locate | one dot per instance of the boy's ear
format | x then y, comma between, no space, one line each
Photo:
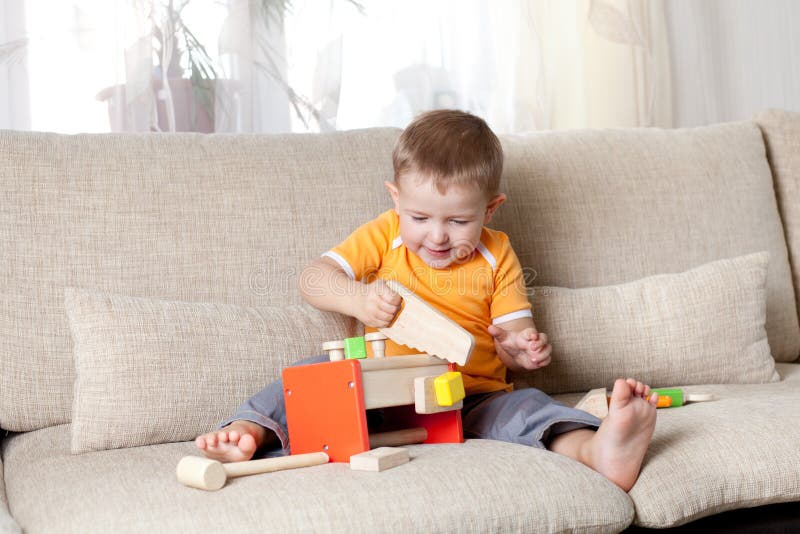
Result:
395,193
492,206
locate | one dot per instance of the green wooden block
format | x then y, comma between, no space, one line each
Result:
355,348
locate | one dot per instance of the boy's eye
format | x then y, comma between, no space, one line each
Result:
456,221
418,219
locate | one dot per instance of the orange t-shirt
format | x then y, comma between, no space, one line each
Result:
488,288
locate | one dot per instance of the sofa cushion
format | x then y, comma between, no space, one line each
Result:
7,523
739,451
703,326
478,486
154,371
203,218
596,208
782,136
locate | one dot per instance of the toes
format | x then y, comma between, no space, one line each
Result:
200,442
640,389
247,444
653,399
622,392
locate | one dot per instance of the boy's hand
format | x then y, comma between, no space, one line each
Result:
378,305
528,348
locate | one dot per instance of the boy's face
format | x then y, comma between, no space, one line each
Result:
441,229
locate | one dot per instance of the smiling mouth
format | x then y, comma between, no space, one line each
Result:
438,253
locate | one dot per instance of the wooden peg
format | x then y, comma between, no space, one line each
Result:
334,350
377,341
406,436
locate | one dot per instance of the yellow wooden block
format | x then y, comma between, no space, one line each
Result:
449,388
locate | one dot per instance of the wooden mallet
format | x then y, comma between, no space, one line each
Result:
207,474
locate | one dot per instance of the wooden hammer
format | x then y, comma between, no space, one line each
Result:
207,474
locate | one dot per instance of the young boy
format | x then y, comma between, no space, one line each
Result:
447,167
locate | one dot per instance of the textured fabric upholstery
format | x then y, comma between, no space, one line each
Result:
504,488
603,207
703,326
219,218
782,138
154,371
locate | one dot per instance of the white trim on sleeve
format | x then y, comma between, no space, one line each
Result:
488,256
342,263
511,316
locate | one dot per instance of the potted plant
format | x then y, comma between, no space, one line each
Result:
185,78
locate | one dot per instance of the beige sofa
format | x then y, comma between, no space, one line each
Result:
147,286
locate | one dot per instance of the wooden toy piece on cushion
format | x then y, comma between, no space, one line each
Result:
379,459
211,475
596,401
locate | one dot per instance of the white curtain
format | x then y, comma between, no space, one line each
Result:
521,64
13,74
732,58
320,65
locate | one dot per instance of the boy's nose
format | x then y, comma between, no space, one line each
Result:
438,236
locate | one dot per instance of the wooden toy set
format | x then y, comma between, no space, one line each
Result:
421,394
596,401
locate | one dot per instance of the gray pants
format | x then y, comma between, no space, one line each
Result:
525,416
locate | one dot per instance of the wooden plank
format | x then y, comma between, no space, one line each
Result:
394,387
422,327
399,362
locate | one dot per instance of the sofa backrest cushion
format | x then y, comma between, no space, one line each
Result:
233,218
154,371
781,131
604,207
216,218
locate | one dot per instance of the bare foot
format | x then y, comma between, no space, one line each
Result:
618,447
236,442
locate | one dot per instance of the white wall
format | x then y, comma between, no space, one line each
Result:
732,58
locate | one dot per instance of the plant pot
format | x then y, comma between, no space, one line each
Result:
193,106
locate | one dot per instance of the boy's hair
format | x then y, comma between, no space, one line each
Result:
450,147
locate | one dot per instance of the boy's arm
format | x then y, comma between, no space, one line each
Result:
520,346
325,285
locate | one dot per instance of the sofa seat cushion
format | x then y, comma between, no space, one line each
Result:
7,523
478,486
739,451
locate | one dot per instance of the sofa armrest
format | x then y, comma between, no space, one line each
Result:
7,523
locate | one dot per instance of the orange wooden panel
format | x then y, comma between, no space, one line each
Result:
325,409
